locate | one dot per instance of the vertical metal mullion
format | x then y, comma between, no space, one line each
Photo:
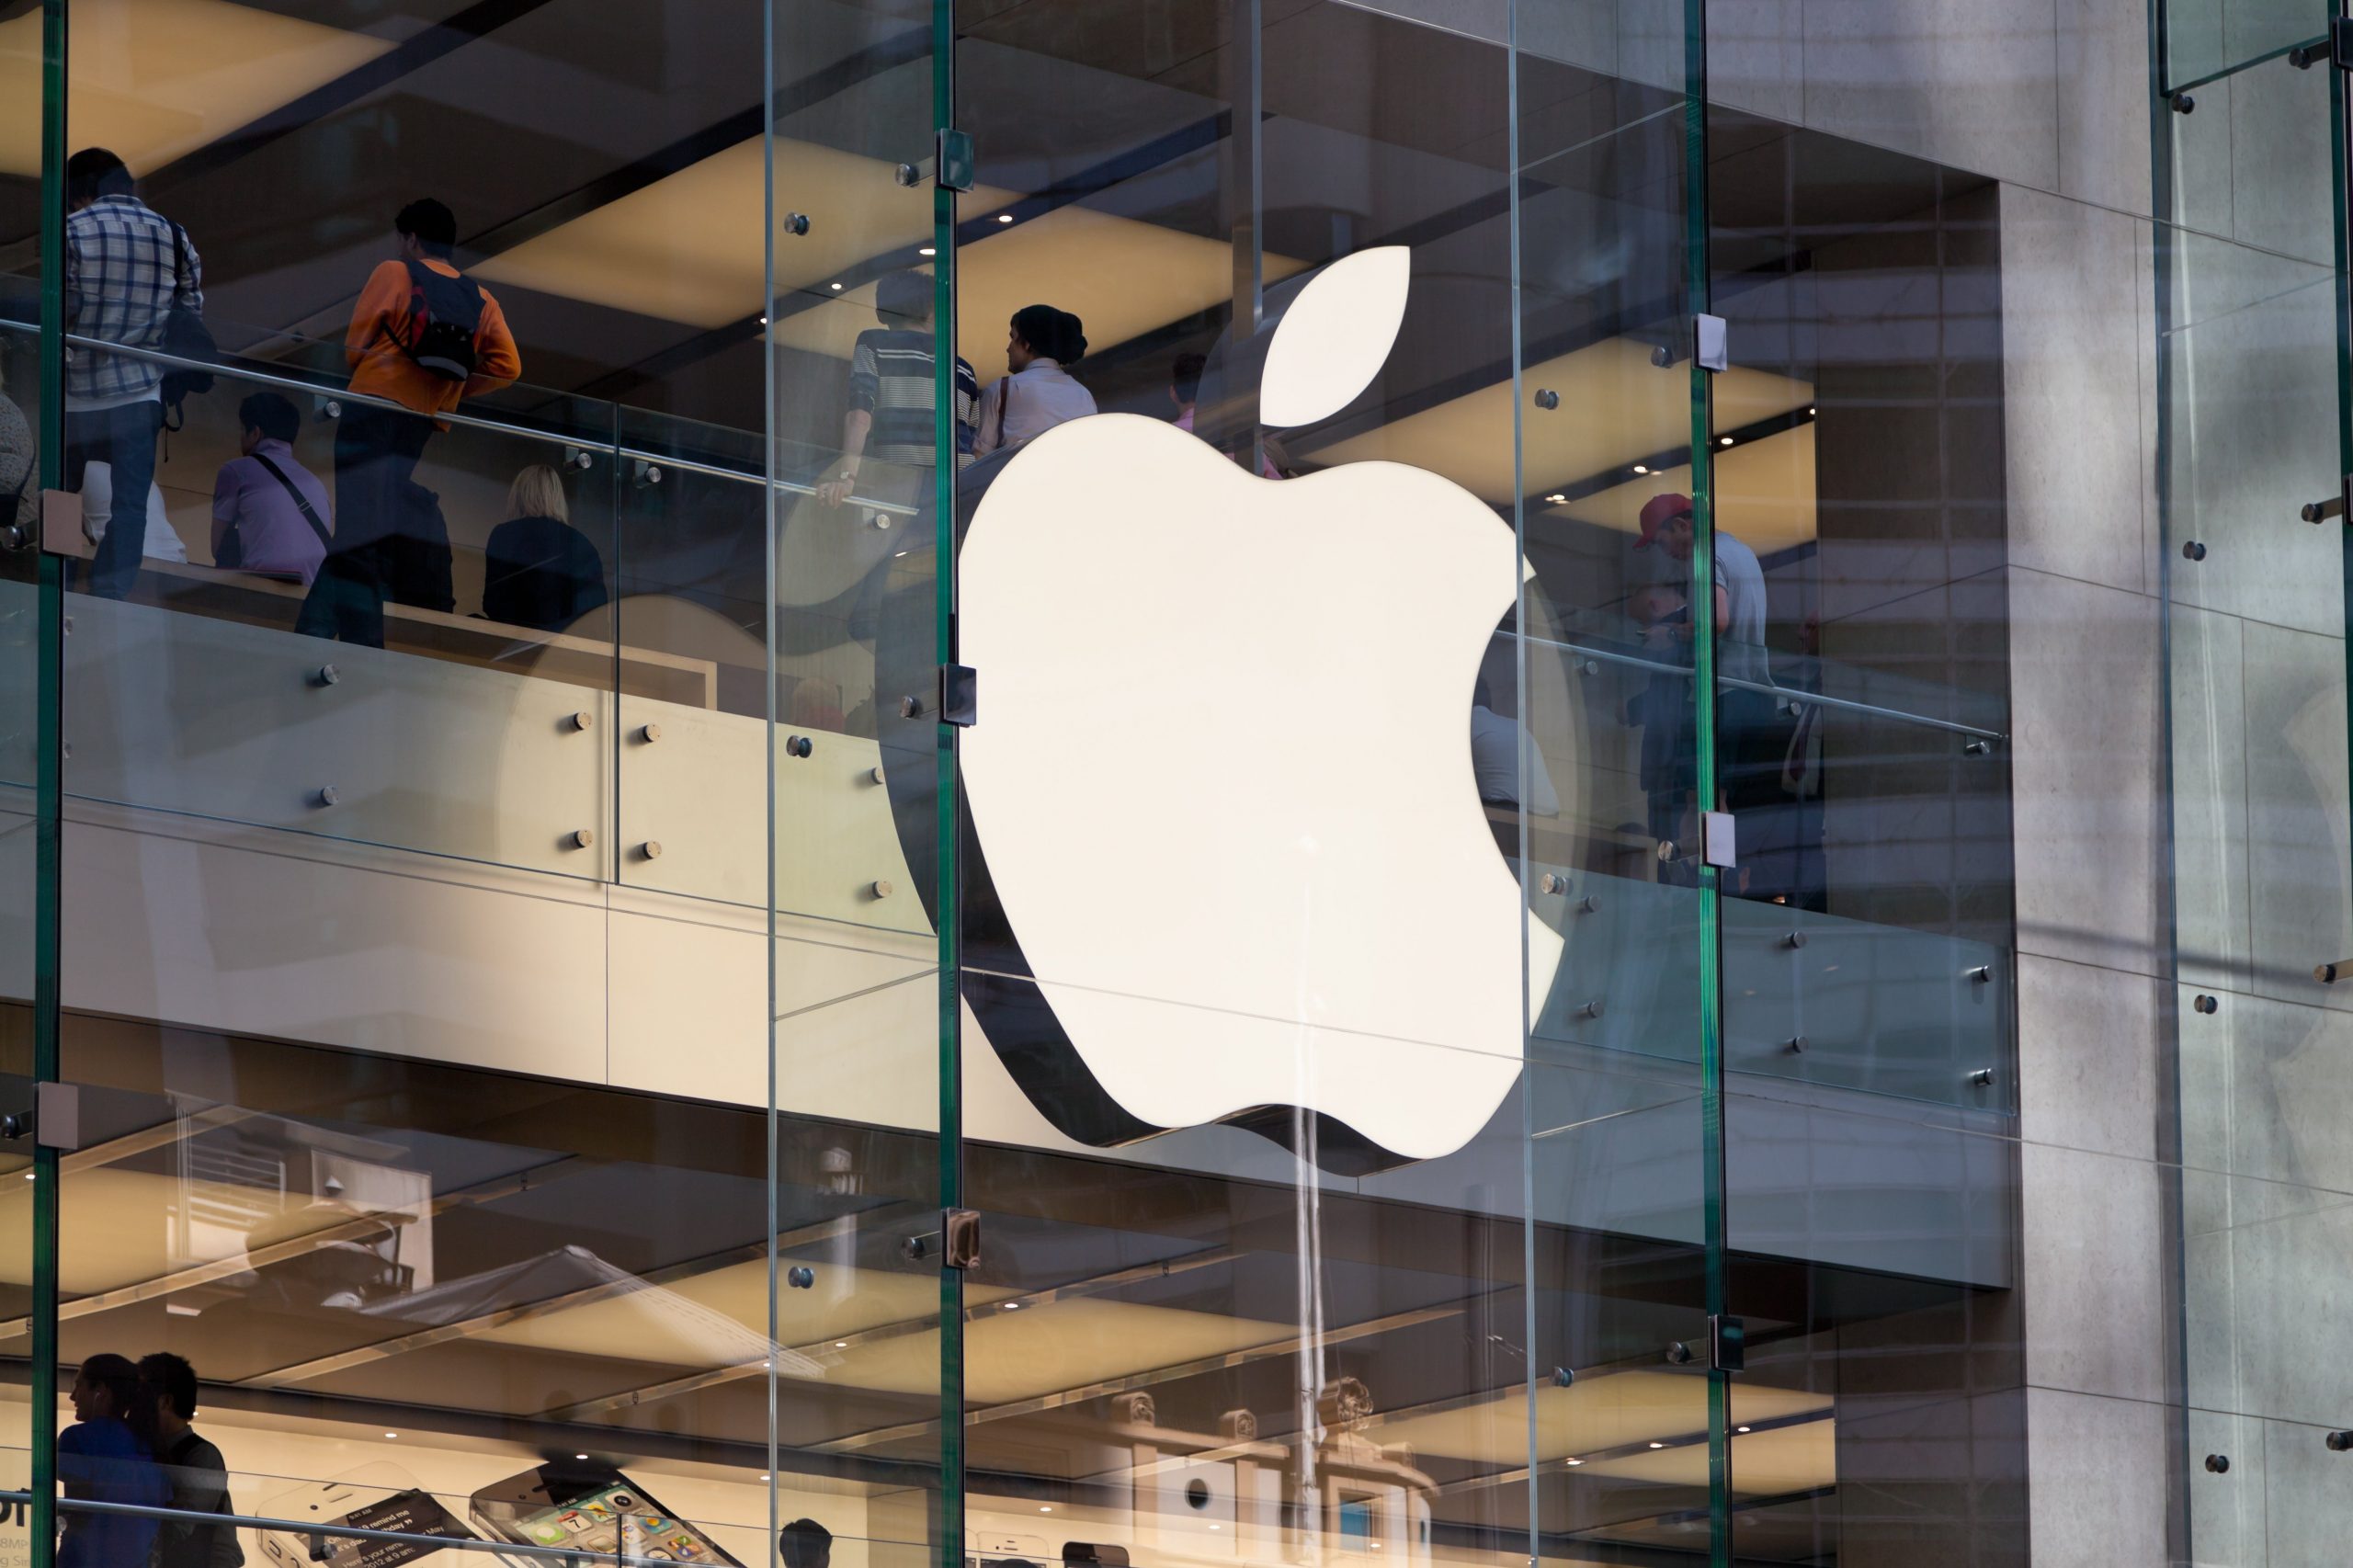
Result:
49,787
1703,683
949,898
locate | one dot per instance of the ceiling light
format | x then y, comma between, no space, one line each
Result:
838,288
764,1475
1658,1445
1724,441
1013,1306
763,321
29,1175
1557,499
580,1456
1005,217
1641,468
1810,411
1043,1509
1217,1526
1576,1461
182,1310
392,1434
929,250
844,1344
1740,1428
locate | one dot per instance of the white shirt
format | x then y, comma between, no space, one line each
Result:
1495,763
1043,395
1741,578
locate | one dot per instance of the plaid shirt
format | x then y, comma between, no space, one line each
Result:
126,267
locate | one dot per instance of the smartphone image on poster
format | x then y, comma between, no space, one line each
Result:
373,1497
592,1508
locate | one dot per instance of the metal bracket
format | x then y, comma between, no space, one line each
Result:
959,1231
960,695
1727,1343
2338,505
1716,839
2336,48
61,524
57,1116
955,160
1709,340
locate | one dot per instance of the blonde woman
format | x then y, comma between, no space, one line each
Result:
538,570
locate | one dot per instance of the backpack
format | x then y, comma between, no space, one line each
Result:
444,317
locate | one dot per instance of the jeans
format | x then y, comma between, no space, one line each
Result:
124,439
376,452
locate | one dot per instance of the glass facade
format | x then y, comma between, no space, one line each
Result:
1172,783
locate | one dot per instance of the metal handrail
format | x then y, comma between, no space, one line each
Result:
570,1555
471,421
1794,694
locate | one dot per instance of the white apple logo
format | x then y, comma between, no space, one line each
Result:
1221,775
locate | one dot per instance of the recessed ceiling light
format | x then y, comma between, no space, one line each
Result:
1013,1306
1217,1526
1810,411
1557,499
580,1456
1005,217
1740,1428
392,1434
929,250
1724,441
1641,468
1658,1445
844,1344
29,1175
838,288
1576,1461
1043,1509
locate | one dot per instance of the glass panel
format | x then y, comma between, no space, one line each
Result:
1608,715
2205,38
429,1015
852,595
2251,366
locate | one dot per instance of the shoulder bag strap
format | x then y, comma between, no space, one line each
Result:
326,540
1004,398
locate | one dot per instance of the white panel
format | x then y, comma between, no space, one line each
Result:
501,970
700,792
222,720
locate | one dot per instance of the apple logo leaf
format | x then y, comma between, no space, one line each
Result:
1335,337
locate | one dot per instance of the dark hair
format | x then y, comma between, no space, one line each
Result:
1185,376
1052,333
429,223
804,1543
904,299
94,171
135,1400
170,1375
277,419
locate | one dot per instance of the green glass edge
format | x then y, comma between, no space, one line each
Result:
49,787
949,1538
1703,689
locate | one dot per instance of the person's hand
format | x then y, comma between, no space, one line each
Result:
836,490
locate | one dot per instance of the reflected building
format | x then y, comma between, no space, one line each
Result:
1600,815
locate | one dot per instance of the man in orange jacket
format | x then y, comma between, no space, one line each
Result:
424,337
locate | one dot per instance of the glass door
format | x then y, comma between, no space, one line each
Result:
2250,366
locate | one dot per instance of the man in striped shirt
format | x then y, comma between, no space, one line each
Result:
892,396
126,266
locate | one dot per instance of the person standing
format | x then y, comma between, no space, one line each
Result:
1037,392
538,570
269,512
127,269
805,1543
108,1456
424,337
894,396
1752,740
193,1468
